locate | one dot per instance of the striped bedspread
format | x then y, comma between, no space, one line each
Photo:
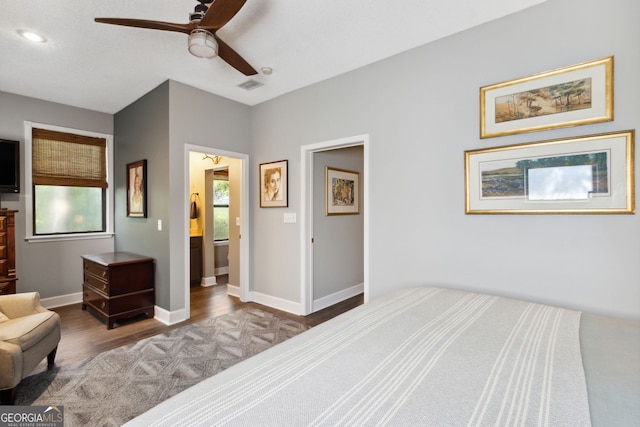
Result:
418,357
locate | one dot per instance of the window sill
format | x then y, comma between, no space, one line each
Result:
67,237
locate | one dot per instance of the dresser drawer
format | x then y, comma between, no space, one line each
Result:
3,223
117,305
97,283
7,288
98,270
4,268
95,300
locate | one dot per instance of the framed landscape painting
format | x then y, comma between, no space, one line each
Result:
576,95
342,192
583,175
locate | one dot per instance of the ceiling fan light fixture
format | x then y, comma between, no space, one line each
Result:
32,36
202,44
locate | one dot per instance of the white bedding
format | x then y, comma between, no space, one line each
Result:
422,356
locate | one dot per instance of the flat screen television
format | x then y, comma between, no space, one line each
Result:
9,166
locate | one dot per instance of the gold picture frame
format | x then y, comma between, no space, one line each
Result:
274,191
576,95
583,175
342,192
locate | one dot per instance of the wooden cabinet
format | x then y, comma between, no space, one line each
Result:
7,252
118,285
195,252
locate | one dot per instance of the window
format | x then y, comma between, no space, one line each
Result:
67,183
220,208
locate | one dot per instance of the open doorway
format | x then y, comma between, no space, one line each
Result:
309,208
205,165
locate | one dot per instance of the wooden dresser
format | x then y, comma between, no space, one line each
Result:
7,252
118,285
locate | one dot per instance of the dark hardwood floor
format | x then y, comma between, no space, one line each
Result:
83,335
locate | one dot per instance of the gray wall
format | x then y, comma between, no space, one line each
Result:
157,127
421,112
338,248
196,118
51,268
142,132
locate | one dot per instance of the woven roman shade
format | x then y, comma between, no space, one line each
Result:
67,159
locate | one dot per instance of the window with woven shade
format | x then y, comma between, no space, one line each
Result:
69,178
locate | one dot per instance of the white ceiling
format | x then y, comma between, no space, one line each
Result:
106,67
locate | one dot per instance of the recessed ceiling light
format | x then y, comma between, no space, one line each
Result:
31,36
266,71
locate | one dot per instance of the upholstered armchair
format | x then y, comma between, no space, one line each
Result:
28,333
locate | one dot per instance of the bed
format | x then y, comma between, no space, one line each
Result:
434,357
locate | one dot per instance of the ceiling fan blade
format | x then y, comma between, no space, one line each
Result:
219,13
153,25
234,59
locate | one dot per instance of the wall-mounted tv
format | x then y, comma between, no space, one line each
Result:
9,166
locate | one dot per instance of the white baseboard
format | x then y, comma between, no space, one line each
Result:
208,281
61,300
173,317
170,317
164,316
221,270
277,303
295,307
233,290
337,297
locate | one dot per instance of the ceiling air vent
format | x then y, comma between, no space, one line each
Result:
250,84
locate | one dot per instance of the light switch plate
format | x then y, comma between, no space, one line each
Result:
290,218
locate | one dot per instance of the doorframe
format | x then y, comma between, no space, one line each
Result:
244,219
306,213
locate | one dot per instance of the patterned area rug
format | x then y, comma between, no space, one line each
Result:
116,386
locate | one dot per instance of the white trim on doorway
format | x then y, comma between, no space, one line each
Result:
306,214
243,292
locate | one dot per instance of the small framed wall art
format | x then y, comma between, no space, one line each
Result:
137,189
342,192
583,175
274,185
577,95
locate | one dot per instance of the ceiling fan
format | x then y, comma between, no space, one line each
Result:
203,23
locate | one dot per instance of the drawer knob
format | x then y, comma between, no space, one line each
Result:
104,287
104,274
104,304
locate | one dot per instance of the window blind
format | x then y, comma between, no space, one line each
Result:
68,159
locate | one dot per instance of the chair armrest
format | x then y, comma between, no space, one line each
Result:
19,305
10,365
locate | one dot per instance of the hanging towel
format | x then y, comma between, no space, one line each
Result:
194,210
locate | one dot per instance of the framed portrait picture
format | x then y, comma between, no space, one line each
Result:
342,192
273,185
577,95
137,189
583,175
